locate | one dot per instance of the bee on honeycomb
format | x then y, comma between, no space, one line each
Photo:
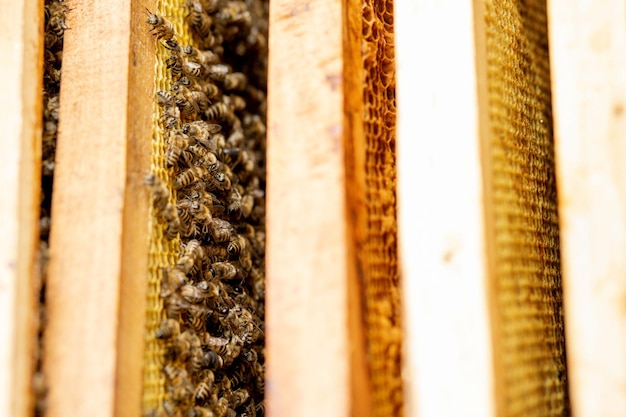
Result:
213,121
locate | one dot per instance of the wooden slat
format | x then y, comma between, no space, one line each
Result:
20,179
588,60
315,357
98,247
444,237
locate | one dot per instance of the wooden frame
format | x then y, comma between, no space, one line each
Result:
98,245
20,178
445,239
315,351
588,60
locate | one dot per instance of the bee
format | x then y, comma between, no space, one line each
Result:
174,65
215,254
218,72
192,256
172,45
221,230
220,409
260,376
219,181
205,386
197,321
250,410
260,407
237,245
167,211
235,12
235,81
199,21
212,360
218,111
197,173
202,57
161,28
236,102
192,69
54,14
178,143
251,356
223,270
165,99
169,328
198,294
200,412
170,117
238,398
201,132
173,279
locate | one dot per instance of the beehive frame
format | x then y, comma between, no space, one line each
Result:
20,165
106,315
588,53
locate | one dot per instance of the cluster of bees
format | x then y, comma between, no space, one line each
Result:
213,118
54,25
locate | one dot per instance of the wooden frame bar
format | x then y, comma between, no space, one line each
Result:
98,245
588,60
20,178
315,351
443,184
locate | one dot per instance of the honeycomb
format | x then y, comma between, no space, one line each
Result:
205,315
377,252
529,333
54,26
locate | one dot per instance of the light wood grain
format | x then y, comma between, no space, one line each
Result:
588,61
20,180
98,247
445,239
307,329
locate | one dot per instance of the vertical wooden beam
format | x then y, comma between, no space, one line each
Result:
588,60
98,247
444,233
311,279
20,178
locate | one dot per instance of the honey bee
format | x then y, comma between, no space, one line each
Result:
250,410
237,245
201,132
251,356
234,12
196,173
235,81
192,256
173,279
170,117
192,69
165,99
236,102
260,376
202,57
220,409
212,360
197,294
169,328
205,386
167,211
200,412
199,21
221,230
219,181
215,254
218,72
161,28
178,143
260,408
238,398
218,111
174,65
223,270
54,14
